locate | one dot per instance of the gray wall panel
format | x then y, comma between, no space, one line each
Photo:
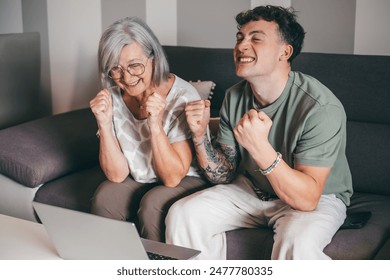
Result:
35,19
113,10
329,25
206,23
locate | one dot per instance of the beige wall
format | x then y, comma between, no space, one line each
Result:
73,47
372,33
70,31
329,25
11,16
205,23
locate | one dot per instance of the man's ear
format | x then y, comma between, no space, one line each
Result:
286,53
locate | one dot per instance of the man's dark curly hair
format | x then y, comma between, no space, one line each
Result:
290,30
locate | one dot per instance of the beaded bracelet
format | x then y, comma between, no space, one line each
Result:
272,166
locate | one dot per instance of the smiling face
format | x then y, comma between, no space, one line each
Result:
259,50
133,54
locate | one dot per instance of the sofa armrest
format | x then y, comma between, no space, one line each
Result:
38,151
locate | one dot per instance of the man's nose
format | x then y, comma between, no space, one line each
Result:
243,45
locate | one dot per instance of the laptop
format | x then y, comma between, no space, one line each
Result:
82,236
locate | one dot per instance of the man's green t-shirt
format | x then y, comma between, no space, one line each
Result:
308,127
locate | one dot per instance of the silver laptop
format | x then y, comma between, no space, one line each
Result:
80,236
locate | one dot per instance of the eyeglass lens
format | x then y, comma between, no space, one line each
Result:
135,69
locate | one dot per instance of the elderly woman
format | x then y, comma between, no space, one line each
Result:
145,147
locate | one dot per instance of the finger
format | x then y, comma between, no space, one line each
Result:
95,103
262,116
195,105
194,102
194,118
105,92
155,95
252,114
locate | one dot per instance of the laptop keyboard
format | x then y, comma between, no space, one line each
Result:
154,256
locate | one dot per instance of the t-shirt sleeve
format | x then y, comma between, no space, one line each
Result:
322,137
225,132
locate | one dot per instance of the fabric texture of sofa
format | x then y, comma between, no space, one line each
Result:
54,159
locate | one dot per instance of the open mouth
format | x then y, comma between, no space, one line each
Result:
245,59
132,84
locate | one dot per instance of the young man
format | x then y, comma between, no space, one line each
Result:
280,155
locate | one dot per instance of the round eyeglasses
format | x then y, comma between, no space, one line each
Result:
135,69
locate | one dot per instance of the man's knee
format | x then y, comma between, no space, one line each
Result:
182,211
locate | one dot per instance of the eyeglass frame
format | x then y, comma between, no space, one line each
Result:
122,73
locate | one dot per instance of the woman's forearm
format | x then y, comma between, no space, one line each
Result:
170,161
112,160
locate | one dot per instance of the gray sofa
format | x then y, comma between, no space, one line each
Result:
54,159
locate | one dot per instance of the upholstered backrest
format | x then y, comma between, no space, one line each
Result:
362,83
205,64
19,78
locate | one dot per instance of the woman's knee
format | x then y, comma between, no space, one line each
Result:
101,197
111,200
160,198
152,203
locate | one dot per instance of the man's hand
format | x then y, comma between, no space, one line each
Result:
252,130
198,117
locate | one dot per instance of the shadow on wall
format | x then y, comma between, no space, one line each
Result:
86,80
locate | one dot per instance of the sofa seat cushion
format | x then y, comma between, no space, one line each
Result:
347,244
250,244
384,252
72,191
38,151
364,243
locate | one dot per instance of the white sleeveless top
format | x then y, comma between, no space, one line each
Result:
134,135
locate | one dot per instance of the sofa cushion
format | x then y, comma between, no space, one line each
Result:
368,155
38,151
347,244
204,88
73,191
359,81
363,243
384,252
250,244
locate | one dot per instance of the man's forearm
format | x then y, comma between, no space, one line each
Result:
217,163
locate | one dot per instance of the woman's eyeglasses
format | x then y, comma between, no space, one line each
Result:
135,69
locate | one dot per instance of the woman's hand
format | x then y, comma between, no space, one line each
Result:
155,106
101,107
112,160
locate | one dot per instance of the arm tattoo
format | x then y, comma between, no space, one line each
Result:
222,161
